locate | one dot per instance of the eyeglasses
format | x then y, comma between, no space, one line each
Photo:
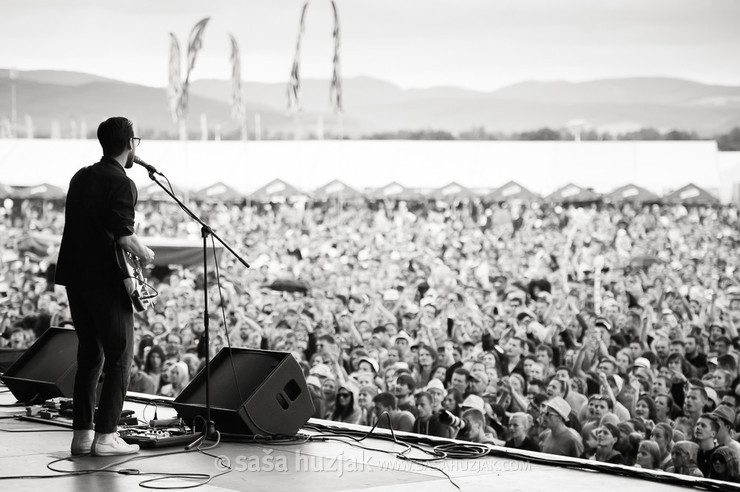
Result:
136,141
343,395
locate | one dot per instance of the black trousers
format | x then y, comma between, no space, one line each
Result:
104,322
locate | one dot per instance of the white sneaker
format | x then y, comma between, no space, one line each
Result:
82,441
111,445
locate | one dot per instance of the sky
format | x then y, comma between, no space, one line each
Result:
475,44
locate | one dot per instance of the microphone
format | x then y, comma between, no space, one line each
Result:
152,170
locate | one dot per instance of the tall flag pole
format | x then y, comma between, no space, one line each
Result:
336,78
178,90
335,92
238,111
294,84
174,88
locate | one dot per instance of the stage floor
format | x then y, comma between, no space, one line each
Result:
26,448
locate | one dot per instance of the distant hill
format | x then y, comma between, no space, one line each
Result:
373,105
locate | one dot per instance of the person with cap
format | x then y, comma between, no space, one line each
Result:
558,438
478,383
402,342
726,420
438,392
369,365
607,437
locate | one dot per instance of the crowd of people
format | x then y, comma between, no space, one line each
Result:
607,332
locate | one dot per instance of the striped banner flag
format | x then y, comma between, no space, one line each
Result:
174,88
294,84
237,101
335,91
195,43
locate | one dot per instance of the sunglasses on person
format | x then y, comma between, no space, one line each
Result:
343,395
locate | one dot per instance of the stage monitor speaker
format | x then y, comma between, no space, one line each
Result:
46,369
264,392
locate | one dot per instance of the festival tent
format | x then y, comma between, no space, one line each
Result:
512,191
632,193
691,195
572,193
395,191
153,192
335,189
6,191
452,191
43,191
275,191
218,192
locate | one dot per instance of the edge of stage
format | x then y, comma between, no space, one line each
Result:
327,456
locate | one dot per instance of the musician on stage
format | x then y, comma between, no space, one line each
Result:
99,215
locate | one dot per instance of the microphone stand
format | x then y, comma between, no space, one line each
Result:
209,428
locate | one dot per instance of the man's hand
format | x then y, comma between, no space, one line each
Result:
149,257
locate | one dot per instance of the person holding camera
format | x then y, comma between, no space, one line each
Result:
427,421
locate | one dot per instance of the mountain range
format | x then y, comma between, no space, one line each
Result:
67,103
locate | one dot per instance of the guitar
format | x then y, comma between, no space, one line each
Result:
136,285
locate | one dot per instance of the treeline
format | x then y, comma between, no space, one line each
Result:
726,142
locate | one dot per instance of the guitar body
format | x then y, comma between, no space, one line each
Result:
134,280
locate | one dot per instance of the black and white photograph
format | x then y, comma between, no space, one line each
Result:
337,245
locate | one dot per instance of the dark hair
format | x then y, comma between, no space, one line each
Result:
728,361
342,412
463,371
456,395
651,407
156,349
386,399
714,421
563,385
114,135
146,341
724,339
687,368
600,397
423,394
408,380
545,348
328,339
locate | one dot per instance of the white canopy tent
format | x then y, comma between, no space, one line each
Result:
540,166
